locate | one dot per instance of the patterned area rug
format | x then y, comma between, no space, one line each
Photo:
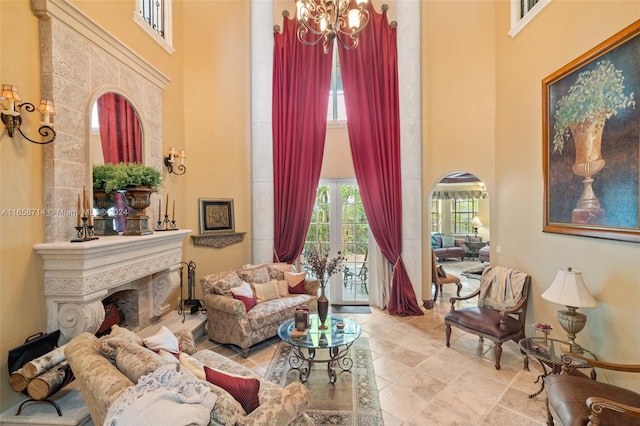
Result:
352,400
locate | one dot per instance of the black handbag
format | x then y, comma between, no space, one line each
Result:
34,346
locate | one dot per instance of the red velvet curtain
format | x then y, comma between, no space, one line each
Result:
120,130
370,81
121,137
301,82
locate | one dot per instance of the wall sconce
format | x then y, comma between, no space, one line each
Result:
12,119
171,158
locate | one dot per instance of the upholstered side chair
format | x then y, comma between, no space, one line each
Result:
574,399
438,280
500,312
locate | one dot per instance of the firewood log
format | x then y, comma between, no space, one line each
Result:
18,381
48,382
37,366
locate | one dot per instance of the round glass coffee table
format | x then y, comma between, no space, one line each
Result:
336,341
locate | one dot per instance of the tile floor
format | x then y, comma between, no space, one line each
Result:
421,381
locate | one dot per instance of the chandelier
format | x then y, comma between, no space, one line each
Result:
325,20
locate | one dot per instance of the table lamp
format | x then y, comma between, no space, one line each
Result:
475,222
569,289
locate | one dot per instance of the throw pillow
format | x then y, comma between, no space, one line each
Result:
294,278
243,290
448,242
298,288
441,272
108,345
163,339
277,270
283,288
186,341
434,242
249,302
266,291
255,275
135,361
242,389
224,285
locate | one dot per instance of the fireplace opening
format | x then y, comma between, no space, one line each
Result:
121,308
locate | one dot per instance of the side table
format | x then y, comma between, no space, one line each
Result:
549,353
473,247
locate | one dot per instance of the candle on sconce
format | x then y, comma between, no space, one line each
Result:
85,201
90,221
183,155
173,216
78,223
166,206
159,210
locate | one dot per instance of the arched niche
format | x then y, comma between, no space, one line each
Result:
459,185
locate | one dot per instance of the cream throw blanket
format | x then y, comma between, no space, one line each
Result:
164,397
501,288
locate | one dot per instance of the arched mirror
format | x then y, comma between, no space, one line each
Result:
116,133
116,137
460,219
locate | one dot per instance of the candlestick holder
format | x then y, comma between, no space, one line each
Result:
84,232
166,224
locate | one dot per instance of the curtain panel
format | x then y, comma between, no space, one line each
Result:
370,81
120,131
301,82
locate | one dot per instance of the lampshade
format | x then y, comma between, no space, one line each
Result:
46,105
569,289
9,92
476,222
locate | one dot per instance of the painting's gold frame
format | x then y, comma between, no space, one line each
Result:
552,191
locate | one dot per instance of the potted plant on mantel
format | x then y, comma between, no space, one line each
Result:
136,181
596,96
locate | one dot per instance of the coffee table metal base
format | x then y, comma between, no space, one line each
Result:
337,356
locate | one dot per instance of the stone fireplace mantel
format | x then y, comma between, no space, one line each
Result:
78,276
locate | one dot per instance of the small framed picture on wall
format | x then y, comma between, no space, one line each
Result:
216,215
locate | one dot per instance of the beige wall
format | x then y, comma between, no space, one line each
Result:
217,123
563,31
22,308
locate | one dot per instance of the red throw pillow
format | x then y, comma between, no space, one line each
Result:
298,288
242,389
249,302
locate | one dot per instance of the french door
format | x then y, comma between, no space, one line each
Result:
338,223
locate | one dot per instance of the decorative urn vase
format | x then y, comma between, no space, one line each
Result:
104,224
138,198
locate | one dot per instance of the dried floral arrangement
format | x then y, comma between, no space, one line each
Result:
321,265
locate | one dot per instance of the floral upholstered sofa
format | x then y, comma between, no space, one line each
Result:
124,383
233,316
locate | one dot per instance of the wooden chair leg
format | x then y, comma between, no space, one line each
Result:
459,288
447,334
497,351
435,293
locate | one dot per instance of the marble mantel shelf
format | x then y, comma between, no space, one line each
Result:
220,240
